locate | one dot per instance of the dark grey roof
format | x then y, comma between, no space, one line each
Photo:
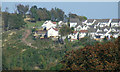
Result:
90,20
101,32
113,32
92,30
103,20
115,20
95,23
116,28
102,28
74,20
91,26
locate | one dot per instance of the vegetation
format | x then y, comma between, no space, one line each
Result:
65,30
19,56
81,18
55,14
12,21
22,9
37,24
84,54
97,57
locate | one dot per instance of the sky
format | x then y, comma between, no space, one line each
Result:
92,10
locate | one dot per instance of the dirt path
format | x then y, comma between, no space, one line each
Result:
25,36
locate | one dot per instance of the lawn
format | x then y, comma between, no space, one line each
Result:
30,24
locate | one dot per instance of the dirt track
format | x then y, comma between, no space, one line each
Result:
25,36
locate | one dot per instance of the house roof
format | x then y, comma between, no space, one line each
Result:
103,20
54,22
75,32
74,20
116,27
90,20
101,32
113,32
92,30
95,23
53,28
115,20
79,23
83,31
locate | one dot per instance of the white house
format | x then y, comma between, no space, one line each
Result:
52,32
104,22
49,24
83,33
90,21
73,22
115,23
60,23
73,36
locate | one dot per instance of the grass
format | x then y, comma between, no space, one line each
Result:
29,25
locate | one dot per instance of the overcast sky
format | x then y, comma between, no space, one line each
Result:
92,10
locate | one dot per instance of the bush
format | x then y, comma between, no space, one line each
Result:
97,57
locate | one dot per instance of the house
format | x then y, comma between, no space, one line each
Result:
92,31
83,33
114,34
73,36
115,23
104,22
52,32
61,23
89,21
41,33
74,22
48,24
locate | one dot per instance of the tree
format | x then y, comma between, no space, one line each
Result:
15,21
43,14
53,14
12,21
5,17
65,30
81,18
97,57
33,12
22,9
57,14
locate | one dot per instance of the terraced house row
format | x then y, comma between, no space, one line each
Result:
95,28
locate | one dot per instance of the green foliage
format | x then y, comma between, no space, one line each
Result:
81,18
37,24
22,9
97,57
57,67
12,21
33,12
57,14
65,30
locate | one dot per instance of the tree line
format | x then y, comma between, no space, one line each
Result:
16,20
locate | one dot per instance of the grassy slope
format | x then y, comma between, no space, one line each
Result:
38,24
17,55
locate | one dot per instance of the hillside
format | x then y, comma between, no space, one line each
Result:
18,55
